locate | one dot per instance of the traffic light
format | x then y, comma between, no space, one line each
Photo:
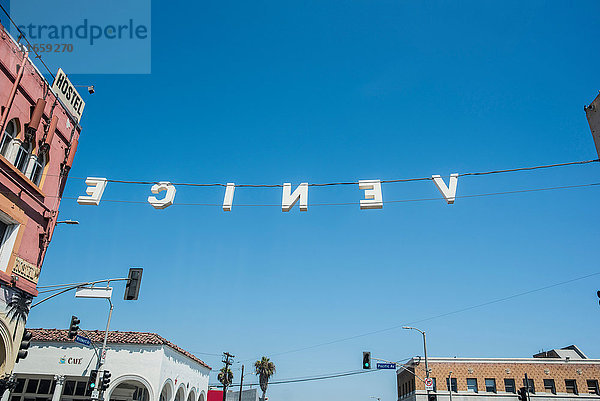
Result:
432,397
25,343
74,326
105,380
522,394
92,380
366,360
132,289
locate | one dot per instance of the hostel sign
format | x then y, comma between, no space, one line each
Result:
68,95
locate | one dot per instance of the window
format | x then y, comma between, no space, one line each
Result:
571,386
22,158
490,385
509,386
10,133
8,235
549,386
472,385
35,389
531,386
36,168
593,387
454,386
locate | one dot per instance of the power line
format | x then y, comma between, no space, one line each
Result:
436,316
401,180
307,379
31,47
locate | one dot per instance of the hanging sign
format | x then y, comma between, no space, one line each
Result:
372,196
68,95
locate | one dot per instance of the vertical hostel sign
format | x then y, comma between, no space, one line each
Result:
68,95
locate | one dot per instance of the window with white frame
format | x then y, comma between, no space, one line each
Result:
23,154
8,236
10,133
36,168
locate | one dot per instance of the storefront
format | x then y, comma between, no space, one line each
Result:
143,367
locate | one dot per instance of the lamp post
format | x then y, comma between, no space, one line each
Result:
424,347
67,222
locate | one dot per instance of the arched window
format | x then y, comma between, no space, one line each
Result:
10,133
36,168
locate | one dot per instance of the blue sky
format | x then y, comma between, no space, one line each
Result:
325,91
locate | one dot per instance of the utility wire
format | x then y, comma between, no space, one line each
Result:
494,301
546,166
399,180
37,55
329,376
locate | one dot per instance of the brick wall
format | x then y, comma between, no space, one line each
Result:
538,371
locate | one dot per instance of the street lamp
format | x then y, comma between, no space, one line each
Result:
424,347
377,398
67,222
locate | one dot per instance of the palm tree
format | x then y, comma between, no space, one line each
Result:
264,369
18,308
225,377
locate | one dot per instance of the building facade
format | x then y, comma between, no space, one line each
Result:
562,374
38,140
143,367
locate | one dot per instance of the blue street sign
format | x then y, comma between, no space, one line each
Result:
386,366
83,340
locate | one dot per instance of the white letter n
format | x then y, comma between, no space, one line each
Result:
289,199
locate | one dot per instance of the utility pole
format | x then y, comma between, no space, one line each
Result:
450,384
226,361
241,383
527,387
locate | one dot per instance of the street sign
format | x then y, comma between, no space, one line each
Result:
83,340
93,292
429,384
386,365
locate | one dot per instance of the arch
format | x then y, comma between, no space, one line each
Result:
166,392
192,394
180,394
202,396
6,348
129,381
11,132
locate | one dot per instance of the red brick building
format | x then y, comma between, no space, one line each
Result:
38,140
562,374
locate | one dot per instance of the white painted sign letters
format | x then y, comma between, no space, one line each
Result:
167,200
95,190
289,199
228,200
373,197
449,193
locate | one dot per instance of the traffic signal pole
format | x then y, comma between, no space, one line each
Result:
102,358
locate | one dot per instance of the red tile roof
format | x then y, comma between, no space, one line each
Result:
114,337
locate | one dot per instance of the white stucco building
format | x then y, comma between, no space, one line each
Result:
143,367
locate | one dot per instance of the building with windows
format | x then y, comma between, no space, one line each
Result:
560,374
143,367
38,140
